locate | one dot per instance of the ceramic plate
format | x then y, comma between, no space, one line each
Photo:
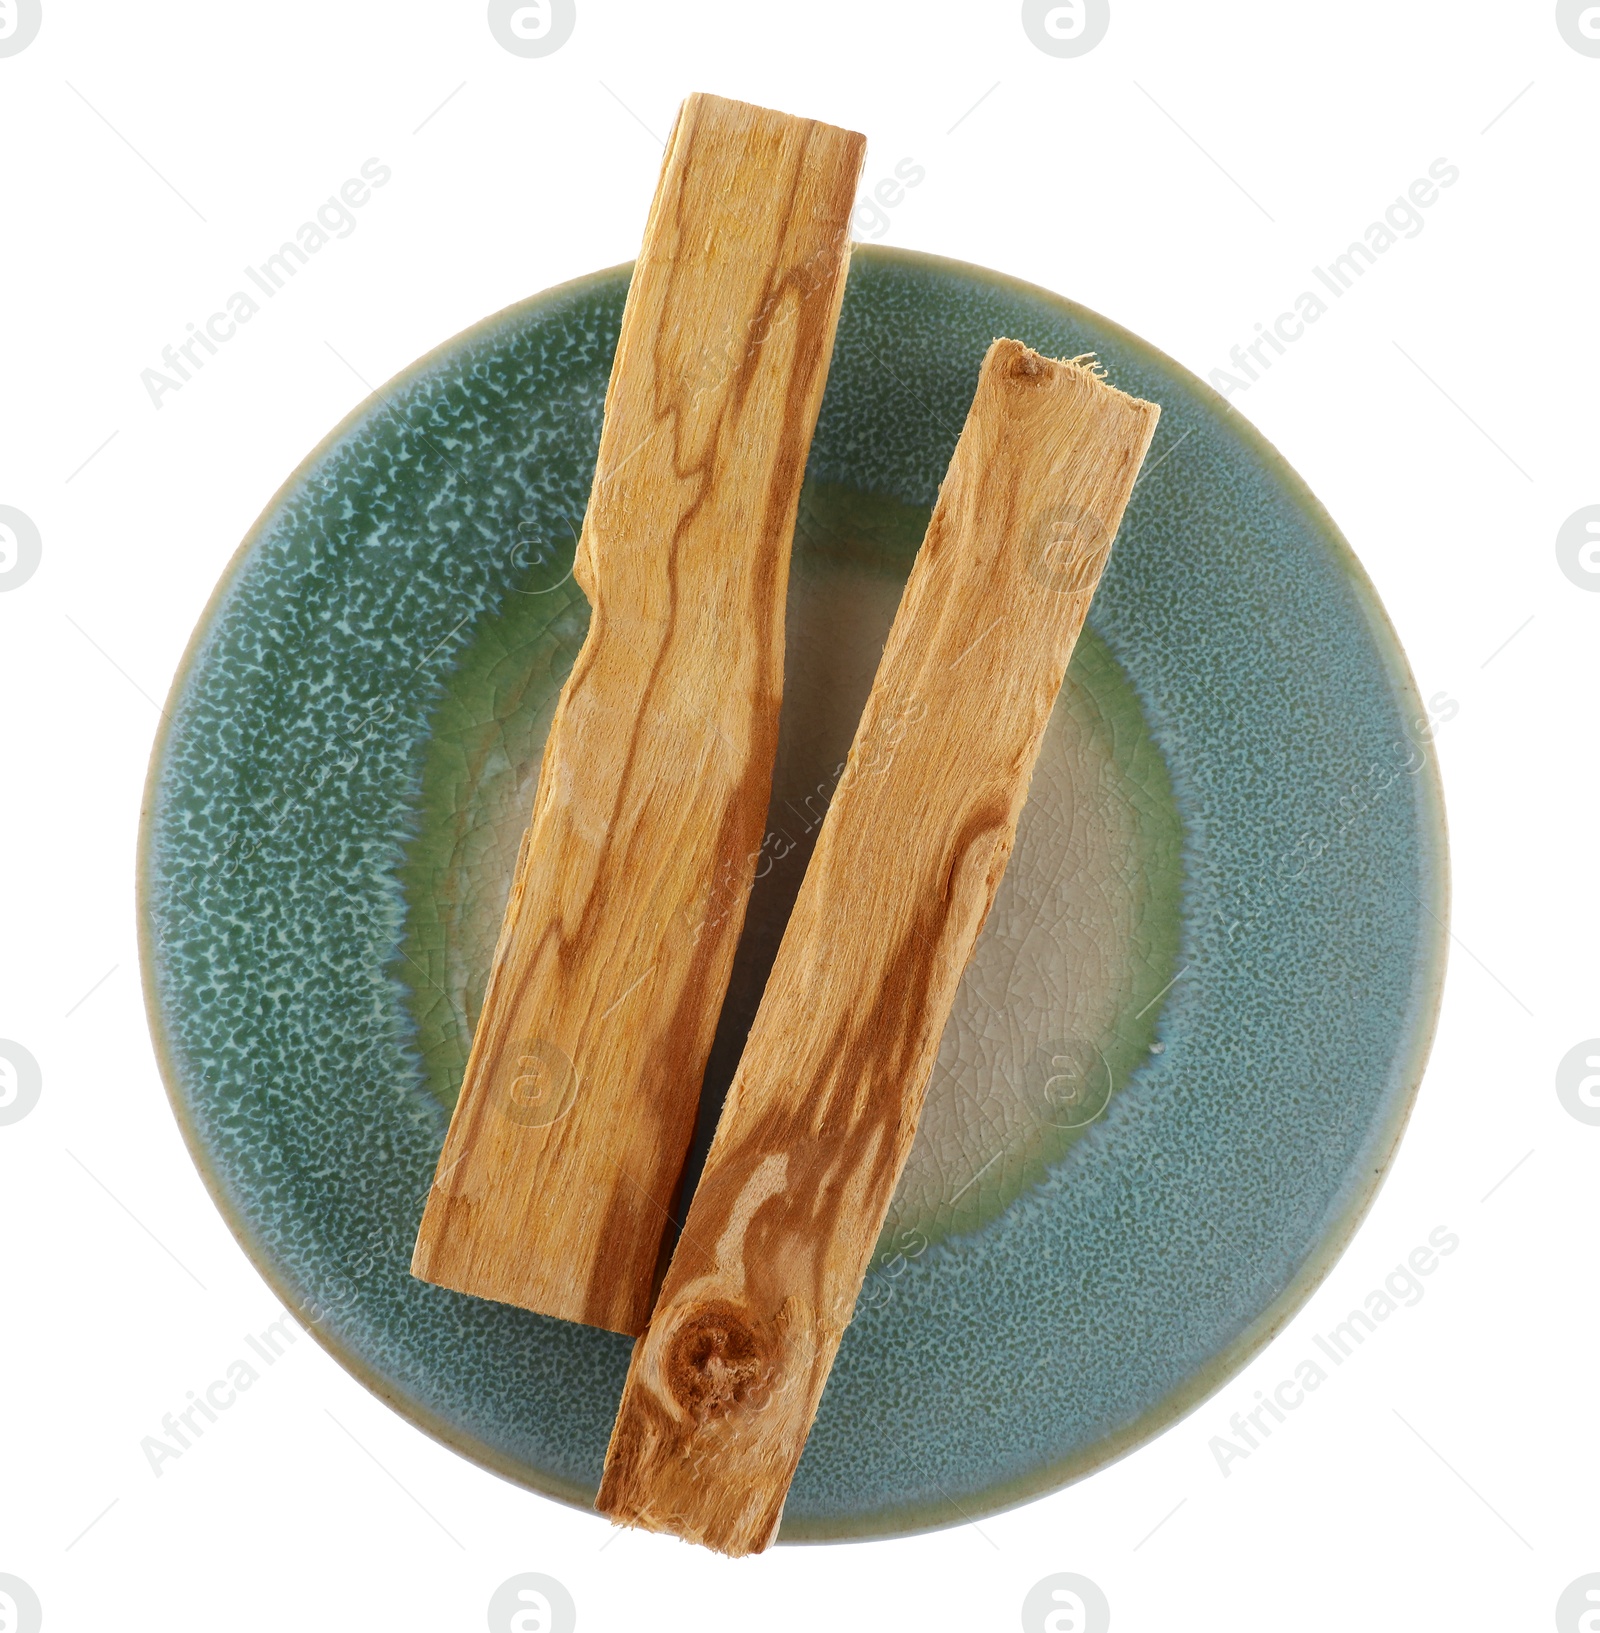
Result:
1177,1066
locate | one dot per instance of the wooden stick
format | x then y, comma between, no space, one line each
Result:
582,1086
820,1116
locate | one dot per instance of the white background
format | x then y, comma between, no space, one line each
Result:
1446,1475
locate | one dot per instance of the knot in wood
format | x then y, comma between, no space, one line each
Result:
717,1361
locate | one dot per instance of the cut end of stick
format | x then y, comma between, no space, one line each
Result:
1017,361
698,103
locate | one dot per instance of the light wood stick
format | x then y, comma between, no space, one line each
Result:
820,1116
583,1082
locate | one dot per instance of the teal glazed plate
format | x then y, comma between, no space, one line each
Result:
1178,1064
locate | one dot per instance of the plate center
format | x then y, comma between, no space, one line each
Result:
1060,1002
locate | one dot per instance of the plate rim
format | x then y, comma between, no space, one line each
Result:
911,1518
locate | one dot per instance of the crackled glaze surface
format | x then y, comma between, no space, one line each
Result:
1232,886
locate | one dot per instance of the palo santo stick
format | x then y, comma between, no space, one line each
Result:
820,1116
582,1086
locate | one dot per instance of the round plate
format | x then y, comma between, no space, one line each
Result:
1179,1062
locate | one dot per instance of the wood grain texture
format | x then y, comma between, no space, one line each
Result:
581,1089
820,1116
